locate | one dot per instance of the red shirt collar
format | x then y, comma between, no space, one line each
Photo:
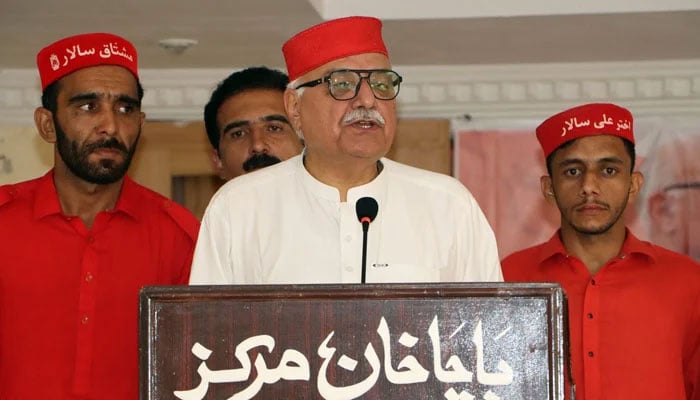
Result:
46,200
632,245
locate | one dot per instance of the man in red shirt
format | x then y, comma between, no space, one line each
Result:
634,307
78,243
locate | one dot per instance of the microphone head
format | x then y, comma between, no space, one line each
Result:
366,209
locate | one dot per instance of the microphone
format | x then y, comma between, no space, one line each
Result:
366,209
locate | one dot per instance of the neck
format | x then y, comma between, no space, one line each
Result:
84,199
594,250
342,175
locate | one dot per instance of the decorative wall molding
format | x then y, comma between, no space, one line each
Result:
480,91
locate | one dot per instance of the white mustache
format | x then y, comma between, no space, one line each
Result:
363,114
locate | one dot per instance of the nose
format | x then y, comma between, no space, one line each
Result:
259,141
107,123
590,184
365,98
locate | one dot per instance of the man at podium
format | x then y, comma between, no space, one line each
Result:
300,221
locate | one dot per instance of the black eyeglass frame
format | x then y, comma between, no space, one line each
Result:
359,72
681,186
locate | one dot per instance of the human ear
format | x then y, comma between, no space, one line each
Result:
217,164
291,106
546,188
43,119
636,184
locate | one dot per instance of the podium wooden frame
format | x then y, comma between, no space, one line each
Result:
443,341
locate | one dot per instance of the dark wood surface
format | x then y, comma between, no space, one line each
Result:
521,326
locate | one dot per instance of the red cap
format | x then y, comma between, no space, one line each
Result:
81,51
585,120
332,40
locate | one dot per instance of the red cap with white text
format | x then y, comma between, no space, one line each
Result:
81,51
585,120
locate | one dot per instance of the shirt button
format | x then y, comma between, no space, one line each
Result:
623,255
349,268
589,315
68,218
348,238
88,277
593,282
91,239
590,354
84,320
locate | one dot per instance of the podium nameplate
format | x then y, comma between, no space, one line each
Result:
400,341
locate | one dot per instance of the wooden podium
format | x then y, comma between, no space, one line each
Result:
402,341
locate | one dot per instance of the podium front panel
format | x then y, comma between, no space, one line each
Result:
403,341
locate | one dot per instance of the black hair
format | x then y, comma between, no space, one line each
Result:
629,146
49,97
241,81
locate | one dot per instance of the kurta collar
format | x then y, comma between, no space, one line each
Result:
632,245
376,188
46,200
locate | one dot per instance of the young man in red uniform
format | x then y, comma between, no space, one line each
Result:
634,307
78,243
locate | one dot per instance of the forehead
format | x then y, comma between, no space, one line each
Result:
251,105
107,79
592,148
358,61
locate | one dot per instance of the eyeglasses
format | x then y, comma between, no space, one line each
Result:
683,185
344,84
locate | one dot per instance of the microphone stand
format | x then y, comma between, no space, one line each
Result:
365,228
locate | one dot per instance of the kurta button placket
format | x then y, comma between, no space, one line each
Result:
591,329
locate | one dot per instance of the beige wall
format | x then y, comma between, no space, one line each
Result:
23,154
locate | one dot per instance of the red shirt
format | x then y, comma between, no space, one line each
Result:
634,325
69,295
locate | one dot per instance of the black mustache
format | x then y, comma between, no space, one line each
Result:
596,202
259,160
111,143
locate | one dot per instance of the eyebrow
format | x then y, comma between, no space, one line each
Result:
266,118
276,117
122,98
682,185
604,160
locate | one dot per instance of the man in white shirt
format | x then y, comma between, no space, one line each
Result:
296,221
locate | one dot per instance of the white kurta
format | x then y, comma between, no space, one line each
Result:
280,225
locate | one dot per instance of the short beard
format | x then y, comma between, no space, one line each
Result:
602,229
104,171
260,160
